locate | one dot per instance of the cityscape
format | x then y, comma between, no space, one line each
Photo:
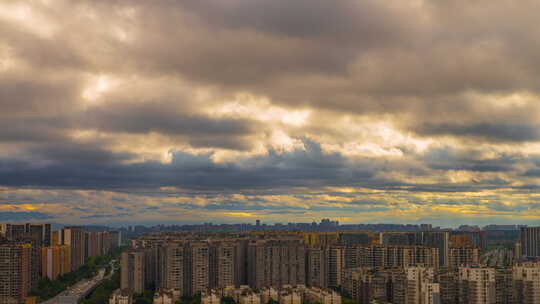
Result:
269,152
319,263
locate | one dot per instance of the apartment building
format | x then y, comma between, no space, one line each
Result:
276,263
19,271
463,256
133,277
74,237
476,285
55,261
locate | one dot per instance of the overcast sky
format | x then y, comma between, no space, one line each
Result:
364,111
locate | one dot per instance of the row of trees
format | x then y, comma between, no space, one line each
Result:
102,293
48,289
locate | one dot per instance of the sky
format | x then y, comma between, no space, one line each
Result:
224,111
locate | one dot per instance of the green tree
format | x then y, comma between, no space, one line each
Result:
227,300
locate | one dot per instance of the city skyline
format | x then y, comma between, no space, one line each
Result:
315,263
413,111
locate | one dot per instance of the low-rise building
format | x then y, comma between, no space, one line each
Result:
322,296
121,296
290,297
250,298
210,297
167,296
269,293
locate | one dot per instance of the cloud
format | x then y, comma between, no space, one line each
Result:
79,167
165,118
24,216
485,131
337,108
447,158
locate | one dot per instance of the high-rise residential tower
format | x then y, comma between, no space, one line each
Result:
530,241
74,237
133,275
19,271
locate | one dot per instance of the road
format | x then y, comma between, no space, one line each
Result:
82,288
499,257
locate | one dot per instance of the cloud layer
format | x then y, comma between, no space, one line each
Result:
178,111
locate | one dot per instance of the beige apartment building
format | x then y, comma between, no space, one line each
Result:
463,256
476,285
133,277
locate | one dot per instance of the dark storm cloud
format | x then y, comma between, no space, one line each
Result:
100,216
346,21
239,206
446,187
498,206
22,95
503,132
532,173
229,205
96,169
165,118
350,208
447,158
32,129
161,118
78,153
23,216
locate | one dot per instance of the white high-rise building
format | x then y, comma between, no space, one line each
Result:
421,286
